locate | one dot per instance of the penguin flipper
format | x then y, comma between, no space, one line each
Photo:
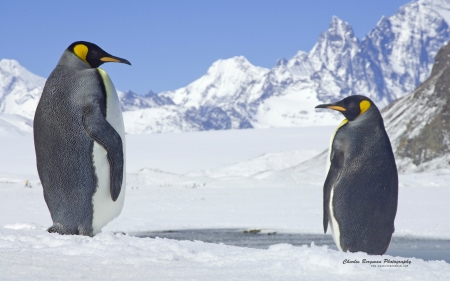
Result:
102,132
337,160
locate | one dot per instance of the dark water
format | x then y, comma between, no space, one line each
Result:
409,247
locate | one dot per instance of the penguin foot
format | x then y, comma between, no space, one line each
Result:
59,228
85,232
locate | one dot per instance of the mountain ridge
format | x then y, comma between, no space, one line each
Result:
388,63
419,123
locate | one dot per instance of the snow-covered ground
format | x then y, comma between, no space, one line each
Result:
247,179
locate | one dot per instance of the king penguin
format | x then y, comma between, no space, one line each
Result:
361,187
79,140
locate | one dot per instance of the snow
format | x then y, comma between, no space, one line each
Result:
119,257
269,179
192,151
441,7
15,125
245,179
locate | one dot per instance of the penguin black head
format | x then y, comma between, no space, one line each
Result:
351,107
92,54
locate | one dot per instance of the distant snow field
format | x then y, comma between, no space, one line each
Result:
245,179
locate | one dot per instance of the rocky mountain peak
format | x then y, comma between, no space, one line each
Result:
281,62
223,64
150,93
131,101
402,47
339,29
419,123
442,61
337,41
225,81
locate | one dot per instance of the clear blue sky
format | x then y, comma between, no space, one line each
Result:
171,43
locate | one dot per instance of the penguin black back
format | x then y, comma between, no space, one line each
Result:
361,188
70,117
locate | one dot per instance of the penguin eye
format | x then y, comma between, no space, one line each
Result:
81,51
363,106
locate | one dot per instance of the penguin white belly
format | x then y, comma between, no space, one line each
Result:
105,209
332,223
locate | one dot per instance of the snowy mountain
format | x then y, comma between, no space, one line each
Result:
418,124
220,99
132,101
20,89
388,63
391,61
403,46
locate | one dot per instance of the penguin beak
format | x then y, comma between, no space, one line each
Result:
110,58
332,106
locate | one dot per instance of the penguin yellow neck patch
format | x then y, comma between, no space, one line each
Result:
364,105
345,121
81,51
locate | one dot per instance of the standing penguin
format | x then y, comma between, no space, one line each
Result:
79,140
361,188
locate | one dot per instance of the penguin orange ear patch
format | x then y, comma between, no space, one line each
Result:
81,51
364,105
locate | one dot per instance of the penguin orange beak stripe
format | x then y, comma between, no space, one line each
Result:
335,107
114,59
332,106
108,59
